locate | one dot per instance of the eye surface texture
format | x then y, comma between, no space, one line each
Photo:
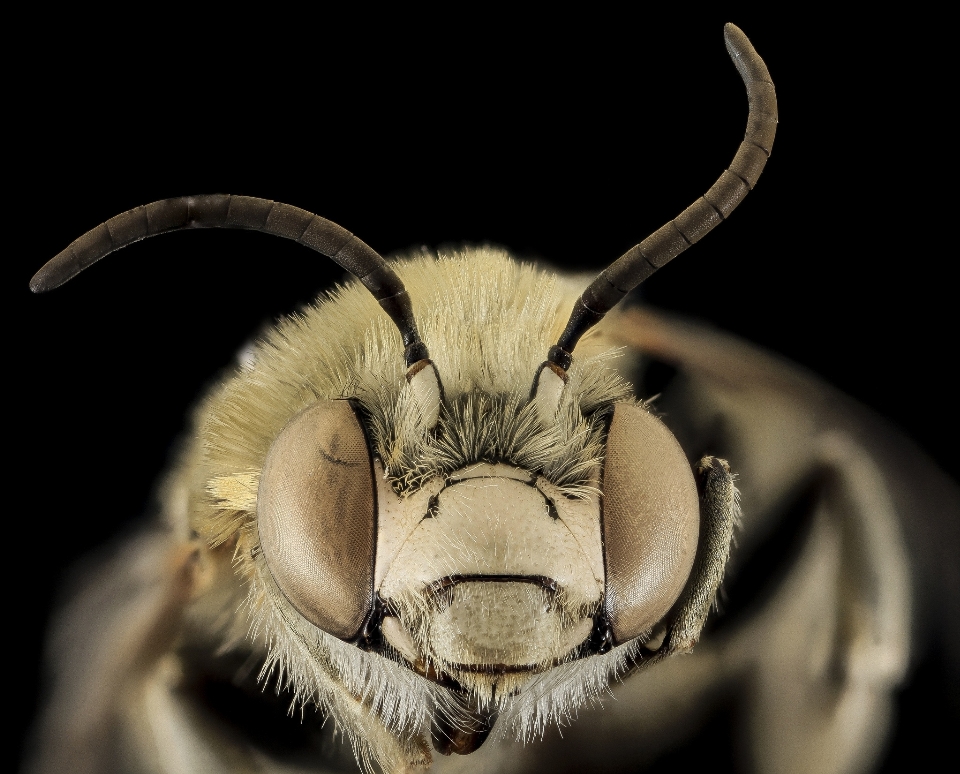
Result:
316,517
651,517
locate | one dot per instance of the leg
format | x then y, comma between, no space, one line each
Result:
719,513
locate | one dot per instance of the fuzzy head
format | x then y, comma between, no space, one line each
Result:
466,547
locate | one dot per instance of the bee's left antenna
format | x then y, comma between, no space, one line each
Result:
664,244
245,212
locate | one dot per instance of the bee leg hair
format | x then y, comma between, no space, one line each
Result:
719,514
396,754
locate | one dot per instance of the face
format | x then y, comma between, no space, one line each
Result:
487,573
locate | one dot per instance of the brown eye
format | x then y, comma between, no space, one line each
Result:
651,521
316,517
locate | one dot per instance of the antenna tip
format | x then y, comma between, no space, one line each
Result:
53,274
730,29
37,283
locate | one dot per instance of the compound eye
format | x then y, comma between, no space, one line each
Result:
651,521
316,517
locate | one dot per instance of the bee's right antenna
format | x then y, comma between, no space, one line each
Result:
244,212
248,212
638,263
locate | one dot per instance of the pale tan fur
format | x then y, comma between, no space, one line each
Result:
488,322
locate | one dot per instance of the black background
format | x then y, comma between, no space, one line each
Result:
566,139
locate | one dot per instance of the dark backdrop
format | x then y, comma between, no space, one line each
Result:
566,140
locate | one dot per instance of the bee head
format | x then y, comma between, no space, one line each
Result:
492,537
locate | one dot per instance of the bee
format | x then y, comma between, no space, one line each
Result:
402,632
